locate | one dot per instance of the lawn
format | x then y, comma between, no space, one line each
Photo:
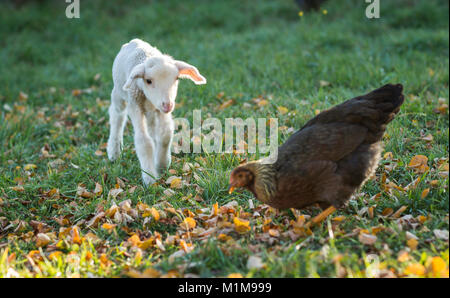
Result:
67,211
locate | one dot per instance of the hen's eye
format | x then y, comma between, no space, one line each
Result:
149,81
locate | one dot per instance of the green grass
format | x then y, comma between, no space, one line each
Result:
245,49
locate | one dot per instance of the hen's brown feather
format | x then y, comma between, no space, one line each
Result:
331,156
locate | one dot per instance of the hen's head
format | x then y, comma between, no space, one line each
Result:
242,176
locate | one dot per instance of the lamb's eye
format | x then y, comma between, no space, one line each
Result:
149,81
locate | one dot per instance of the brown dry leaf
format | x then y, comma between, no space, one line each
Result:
441,234
112,210
427,138
370,211
324,83
387,211
76,92
83,192
99,153
274,233
114,192
42,240
419,163
18,188
98,189
399,212
367,239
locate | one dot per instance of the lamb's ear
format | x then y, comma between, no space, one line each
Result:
187,71
136,72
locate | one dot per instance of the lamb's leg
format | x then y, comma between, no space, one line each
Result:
164,141
117,120
164,157
144,144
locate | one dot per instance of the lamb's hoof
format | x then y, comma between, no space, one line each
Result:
148,180
113,151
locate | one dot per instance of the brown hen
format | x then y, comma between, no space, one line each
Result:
328,159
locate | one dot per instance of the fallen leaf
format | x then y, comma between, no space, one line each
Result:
282,110
188,223
441,234
254,262
367,239
415,269
42,240
29,167
241,226
425,192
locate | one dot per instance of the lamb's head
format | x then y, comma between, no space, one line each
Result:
158,76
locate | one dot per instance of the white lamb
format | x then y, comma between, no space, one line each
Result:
145,87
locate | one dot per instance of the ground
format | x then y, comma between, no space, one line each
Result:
65,210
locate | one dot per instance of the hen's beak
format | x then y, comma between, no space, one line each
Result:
231,189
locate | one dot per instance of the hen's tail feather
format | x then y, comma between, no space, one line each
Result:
373,111
386,101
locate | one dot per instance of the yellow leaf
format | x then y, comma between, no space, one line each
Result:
339,218
235,275
188,223
226,104
403,256
216,209
438,265
55,255
424,193
29,167
241,226
282,110
412,243
76,235
263,103
108,226
415,269
134,240
422,219
370,211
176,183
388,155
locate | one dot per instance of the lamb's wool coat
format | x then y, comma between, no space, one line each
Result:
145,88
